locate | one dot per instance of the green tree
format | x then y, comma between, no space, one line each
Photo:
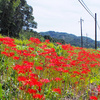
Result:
15,15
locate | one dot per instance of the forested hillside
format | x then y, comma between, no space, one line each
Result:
71,39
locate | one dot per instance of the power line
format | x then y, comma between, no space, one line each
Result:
86,8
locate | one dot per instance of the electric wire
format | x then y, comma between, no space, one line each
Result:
87,9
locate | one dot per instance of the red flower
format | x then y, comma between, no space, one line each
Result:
30,48
76,72
84,72
47,41
15,58
21,78
57,90
31,91
93,98
39,68
45,80
57,79
11,54
5,53
35,40
37,96
65,71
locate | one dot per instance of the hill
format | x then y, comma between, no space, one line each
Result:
71,39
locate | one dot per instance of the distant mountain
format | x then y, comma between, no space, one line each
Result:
71,39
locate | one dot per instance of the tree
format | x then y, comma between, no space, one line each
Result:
15,15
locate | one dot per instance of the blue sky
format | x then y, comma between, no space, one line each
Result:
64,16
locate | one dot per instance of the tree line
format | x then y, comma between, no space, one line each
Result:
15,15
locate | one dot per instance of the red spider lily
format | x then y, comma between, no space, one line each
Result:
28,63
33,75
15,58
33,81
19,52
13,49
59,69
37,96
57,90
66,46
76,72
66,65
32,91
8,54
93,98
8,41
50,50
35,40
93,65
45,80
82,78
30,48
22,78
65,71
32,55
26,54
39,68
11,54
57,79
51,64
84,72
3,52
23,68
39,84
47,41
73,62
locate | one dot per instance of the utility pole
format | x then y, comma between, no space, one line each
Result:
95,31
81,32
86,40
94,17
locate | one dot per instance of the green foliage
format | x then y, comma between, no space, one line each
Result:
19,47
0,90
54,40
58,50
21,42
15,15
16,4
